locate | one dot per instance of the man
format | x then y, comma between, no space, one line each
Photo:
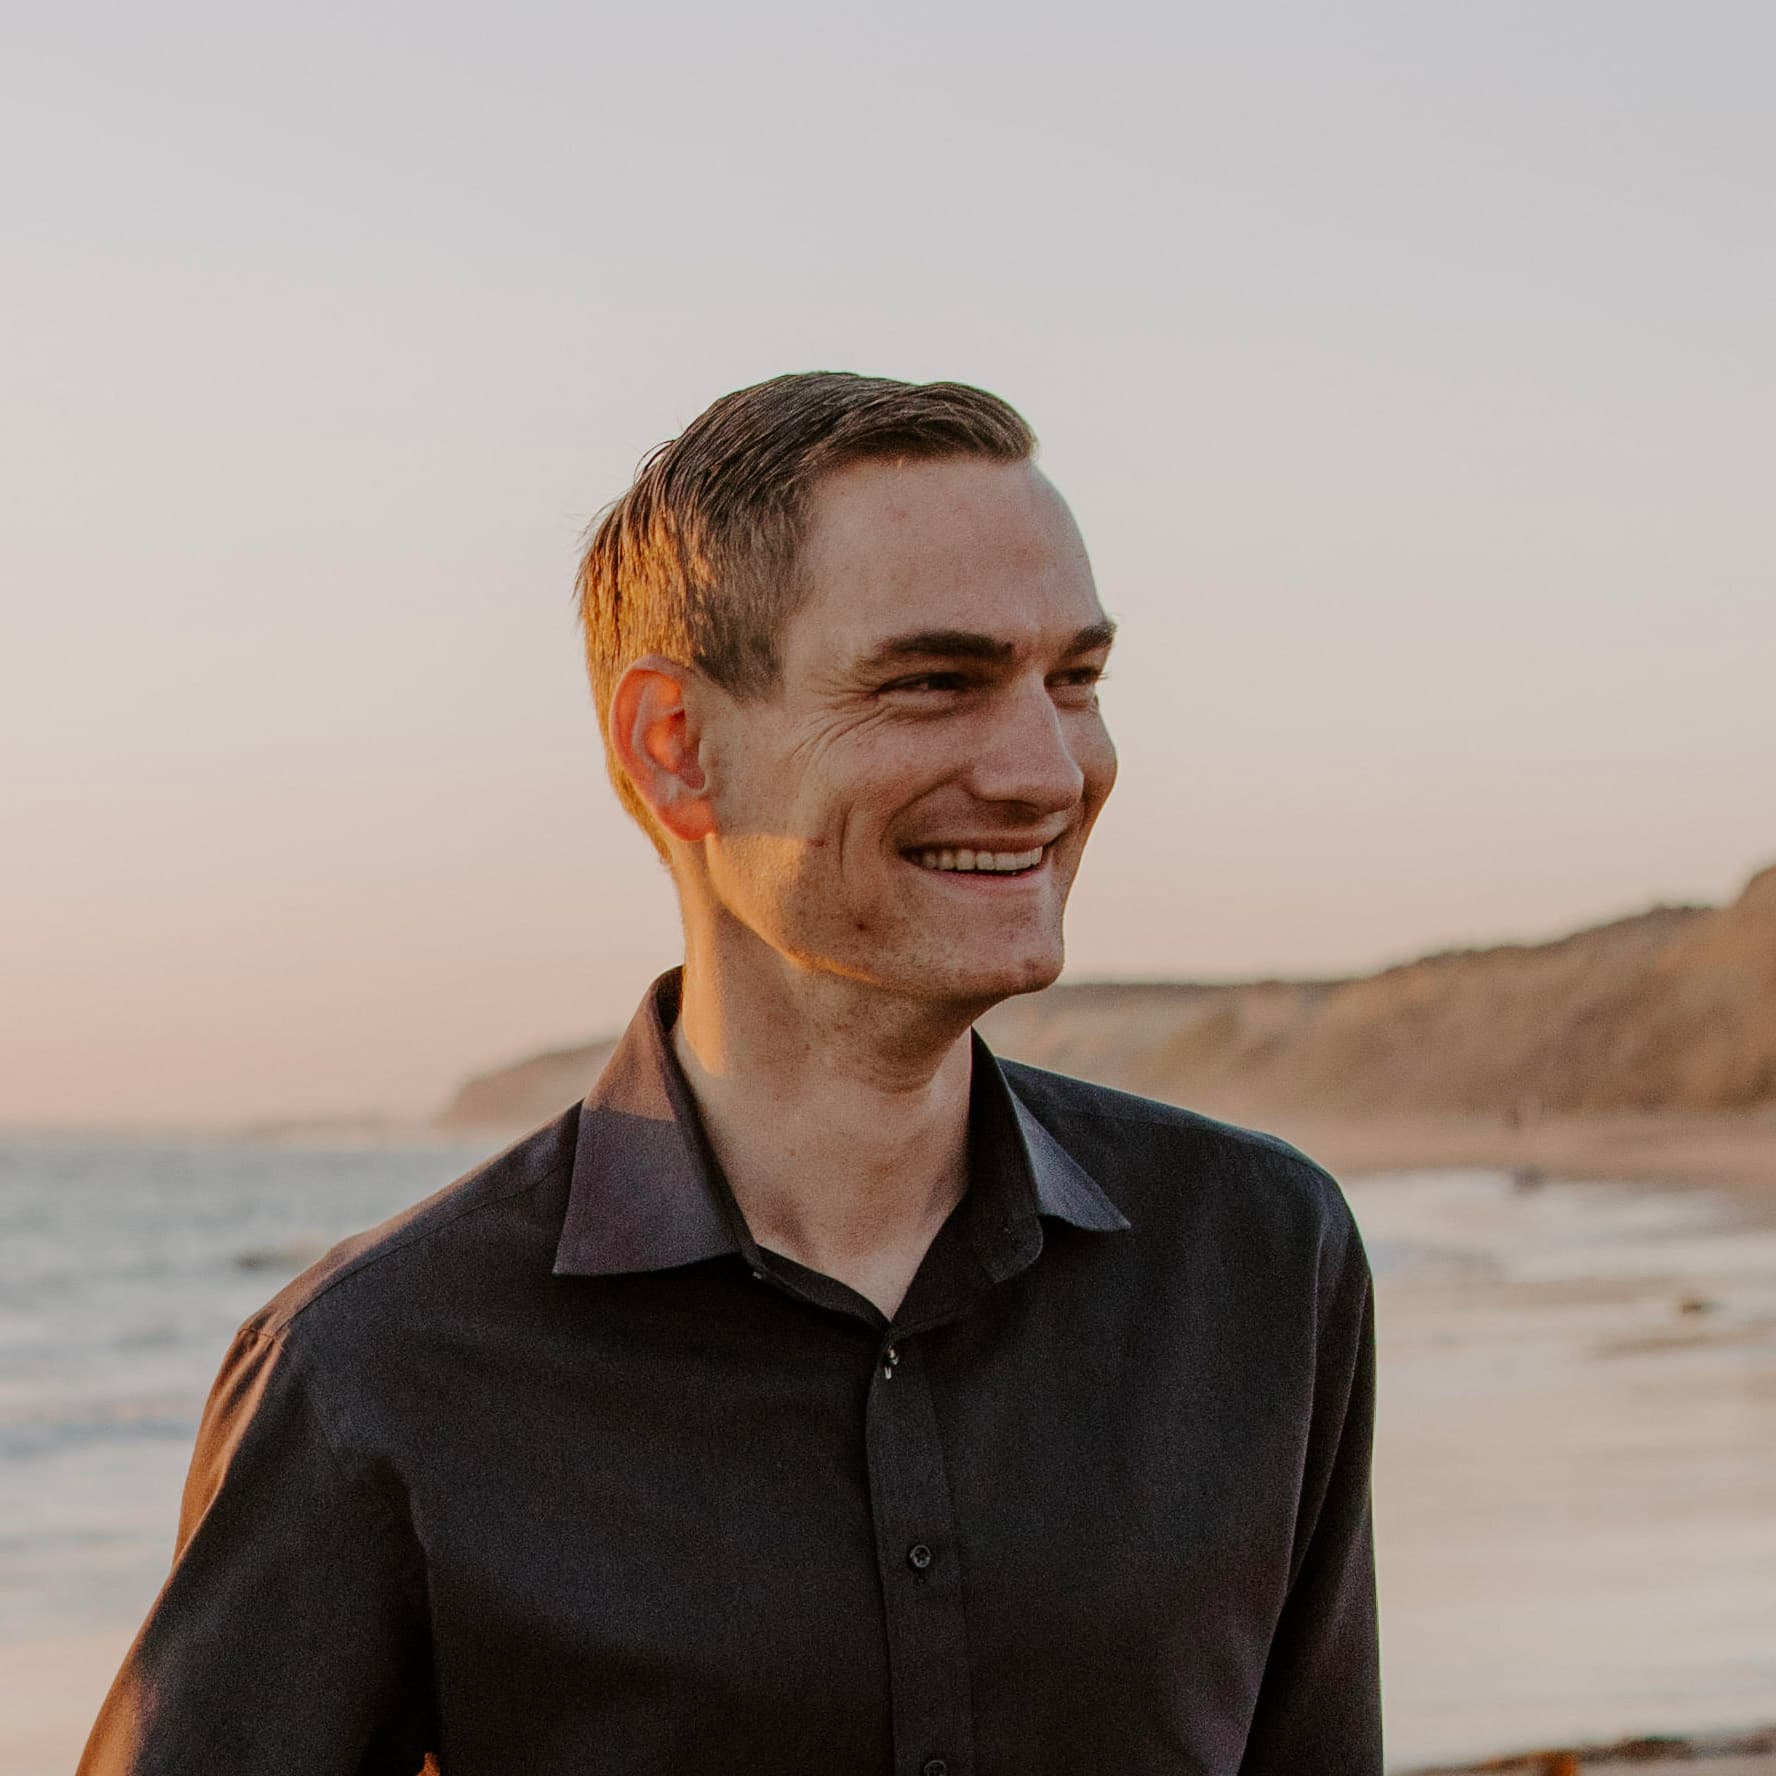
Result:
820,1396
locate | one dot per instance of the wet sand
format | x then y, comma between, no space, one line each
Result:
1575,1467
50,1690
1748,1755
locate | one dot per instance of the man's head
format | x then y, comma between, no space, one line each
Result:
841,634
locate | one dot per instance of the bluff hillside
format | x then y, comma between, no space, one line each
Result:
1672,1009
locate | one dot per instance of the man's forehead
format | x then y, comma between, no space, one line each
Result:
958,544
922,505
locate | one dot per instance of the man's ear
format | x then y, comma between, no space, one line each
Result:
655,735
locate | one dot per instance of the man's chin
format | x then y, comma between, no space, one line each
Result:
986,982
961,976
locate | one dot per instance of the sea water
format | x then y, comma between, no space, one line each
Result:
124,1269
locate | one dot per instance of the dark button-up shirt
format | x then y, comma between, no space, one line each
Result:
561,1471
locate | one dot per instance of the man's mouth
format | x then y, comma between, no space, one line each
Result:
964,861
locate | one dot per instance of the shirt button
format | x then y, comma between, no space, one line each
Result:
918,1558
936,1767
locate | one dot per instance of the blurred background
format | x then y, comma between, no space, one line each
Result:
1410,372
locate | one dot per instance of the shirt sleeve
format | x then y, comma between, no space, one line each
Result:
1319,1705
289,1636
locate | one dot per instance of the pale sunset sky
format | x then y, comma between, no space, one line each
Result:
1411,371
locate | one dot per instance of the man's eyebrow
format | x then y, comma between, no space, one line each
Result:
1092,637
971,644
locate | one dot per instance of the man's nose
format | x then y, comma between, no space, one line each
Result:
1023,755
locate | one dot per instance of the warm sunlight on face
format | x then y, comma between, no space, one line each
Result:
909,809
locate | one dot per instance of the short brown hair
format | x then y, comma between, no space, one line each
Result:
698,560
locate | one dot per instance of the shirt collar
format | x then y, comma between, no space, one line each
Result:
647,1193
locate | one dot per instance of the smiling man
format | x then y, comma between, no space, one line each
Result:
820,1396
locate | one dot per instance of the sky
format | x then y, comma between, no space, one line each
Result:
1409,369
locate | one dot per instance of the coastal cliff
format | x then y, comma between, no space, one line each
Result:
1669,1010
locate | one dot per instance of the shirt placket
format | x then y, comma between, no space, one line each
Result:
918,1560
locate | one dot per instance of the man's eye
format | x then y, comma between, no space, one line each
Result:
930,681
1080,678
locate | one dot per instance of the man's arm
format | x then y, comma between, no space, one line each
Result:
289,1636
1319,1707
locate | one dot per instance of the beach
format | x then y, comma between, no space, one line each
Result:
1575,1474
1574,1487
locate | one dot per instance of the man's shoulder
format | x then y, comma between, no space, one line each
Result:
503,1214
1145,1150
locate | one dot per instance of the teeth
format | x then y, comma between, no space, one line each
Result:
981,862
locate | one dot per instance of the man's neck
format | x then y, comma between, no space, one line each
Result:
842,1125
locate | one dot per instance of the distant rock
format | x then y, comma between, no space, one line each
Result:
527,1093
1671,1009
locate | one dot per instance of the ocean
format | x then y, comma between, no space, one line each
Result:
124,1269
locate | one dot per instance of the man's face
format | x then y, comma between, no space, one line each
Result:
937,710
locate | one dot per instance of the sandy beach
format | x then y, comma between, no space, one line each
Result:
1575,1459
